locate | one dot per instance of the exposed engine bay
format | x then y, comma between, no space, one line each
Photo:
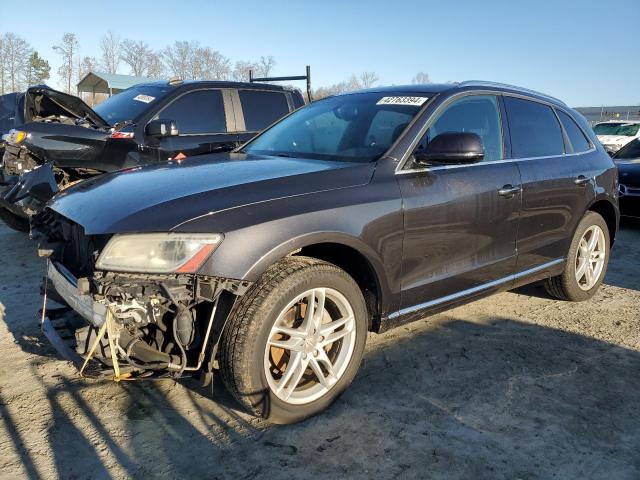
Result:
160,325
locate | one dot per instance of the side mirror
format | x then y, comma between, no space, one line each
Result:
452,148
161,128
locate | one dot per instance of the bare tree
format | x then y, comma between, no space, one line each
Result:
155,66
110,48
241,70
367,79
136,54
179,59
212,65
421,77
2,65
16,59
68,50
86,65
265,65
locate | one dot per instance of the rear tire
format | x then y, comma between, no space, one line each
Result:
585,267
13,221
283,361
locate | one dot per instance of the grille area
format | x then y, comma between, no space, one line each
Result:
77,251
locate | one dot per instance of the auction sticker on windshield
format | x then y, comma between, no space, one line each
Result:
414,101
144,98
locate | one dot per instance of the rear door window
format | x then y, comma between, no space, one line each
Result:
579,142
535,131
262,108
198,112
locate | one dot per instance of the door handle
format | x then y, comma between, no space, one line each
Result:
582,180
509,191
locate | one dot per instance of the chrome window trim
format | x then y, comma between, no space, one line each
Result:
479,288
400,170
507,160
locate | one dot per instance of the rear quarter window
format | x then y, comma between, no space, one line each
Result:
579,142
261,108
535,131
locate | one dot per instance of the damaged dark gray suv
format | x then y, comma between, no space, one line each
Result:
356,213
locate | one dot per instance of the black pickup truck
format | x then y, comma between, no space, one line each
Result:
60,140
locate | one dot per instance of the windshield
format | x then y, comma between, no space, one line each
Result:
623,129
630,150
355,128
130,103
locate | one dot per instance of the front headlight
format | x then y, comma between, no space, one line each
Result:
158,252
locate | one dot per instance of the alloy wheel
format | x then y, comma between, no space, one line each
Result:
310,346
590,257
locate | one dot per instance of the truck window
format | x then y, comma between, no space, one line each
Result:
197,112
262,108
535,131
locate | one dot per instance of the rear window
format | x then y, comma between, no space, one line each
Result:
197,112
262,108
578,141
535,131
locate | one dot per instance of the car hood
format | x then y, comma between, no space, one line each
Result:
614,139
42,101
159,198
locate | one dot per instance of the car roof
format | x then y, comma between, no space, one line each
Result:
218,84
436,88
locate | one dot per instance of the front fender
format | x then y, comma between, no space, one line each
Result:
367,219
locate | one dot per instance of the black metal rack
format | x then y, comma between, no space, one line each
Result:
306,77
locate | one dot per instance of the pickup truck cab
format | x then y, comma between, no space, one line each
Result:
61,140
356,213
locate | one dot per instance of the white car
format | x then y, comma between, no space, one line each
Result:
615,134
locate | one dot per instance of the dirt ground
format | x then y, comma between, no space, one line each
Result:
516,386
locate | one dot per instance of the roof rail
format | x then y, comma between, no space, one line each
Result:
484,83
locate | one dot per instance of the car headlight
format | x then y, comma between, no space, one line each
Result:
158,252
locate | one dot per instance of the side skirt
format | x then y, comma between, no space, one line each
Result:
417,312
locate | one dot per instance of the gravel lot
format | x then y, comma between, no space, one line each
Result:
515,386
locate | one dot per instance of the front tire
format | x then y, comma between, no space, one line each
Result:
586,263
293,343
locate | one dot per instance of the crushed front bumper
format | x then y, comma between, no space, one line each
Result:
60,325
66,285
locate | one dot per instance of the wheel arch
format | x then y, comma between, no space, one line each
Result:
346,252
607,210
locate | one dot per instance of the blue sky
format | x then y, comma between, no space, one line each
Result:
585,52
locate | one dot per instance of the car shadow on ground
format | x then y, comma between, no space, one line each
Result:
451,400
